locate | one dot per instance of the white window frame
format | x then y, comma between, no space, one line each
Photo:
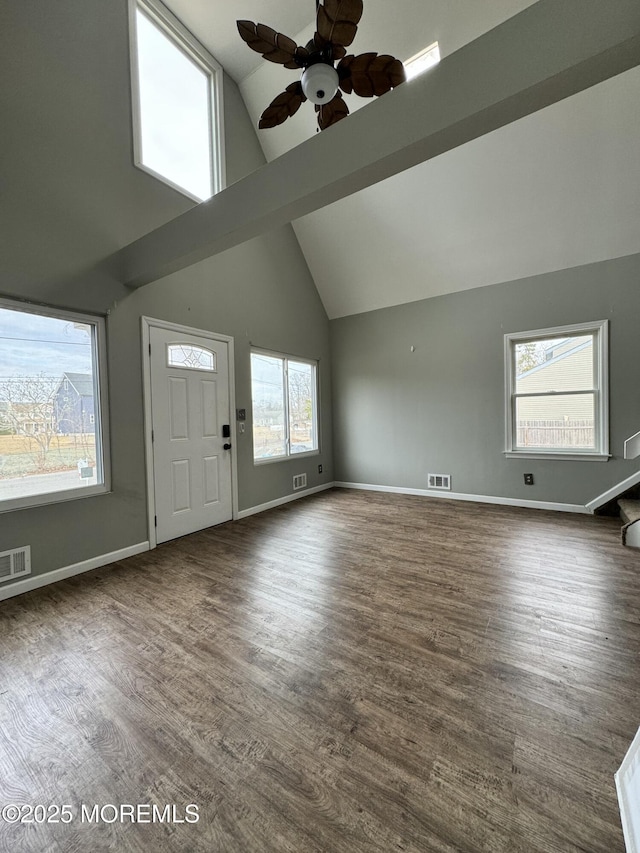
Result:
101,410
600,331
197,53
412,66
316,406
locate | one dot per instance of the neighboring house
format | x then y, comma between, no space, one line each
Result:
552,418
568,361
26,407
24,419
73,405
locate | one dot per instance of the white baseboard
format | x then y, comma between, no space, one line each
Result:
614,492
244,513
457,496
37,581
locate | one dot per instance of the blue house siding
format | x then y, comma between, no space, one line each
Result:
74,405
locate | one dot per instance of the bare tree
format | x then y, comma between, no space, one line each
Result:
529,355
26,408
300,395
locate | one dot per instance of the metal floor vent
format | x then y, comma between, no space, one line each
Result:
299,481
15,564
439,481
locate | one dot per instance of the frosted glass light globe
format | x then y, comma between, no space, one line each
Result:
320,83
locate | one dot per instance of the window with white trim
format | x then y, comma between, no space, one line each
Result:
53,443
557,392
284,396
422,61
177,103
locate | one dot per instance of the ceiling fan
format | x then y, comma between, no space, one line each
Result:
367,75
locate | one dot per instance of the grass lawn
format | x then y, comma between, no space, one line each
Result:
21,455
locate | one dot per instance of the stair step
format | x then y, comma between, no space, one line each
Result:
630,514
629,510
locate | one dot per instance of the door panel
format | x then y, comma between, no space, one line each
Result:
189,402
178,408
211,479
209,409
181,487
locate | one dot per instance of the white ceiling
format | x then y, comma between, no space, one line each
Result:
402,28
557,189
214,23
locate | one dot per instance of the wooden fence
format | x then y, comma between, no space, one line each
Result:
555,434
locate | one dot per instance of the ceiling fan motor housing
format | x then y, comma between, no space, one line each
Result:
320,83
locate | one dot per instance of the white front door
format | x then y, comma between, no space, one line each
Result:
190,414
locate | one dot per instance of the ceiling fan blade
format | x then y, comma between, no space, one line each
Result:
338,21
283,107
272,45
332,112
370,74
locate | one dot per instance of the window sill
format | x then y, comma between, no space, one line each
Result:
164,180
563,457
49,498
269,459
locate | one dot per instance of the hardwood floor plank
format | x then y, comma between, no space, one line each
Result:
350,673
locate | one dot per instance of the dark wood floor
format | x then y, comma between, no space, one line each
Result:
351,672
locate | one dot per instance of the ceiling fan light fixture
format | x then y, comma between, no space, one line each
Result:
367,75
320,83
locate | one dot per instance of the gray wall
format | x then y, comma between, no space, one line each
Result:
71,197
399,415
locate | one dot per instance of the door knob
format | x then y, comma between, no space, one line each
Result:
226,447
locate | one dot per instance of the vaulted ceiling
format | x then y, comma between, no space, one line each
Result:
557,189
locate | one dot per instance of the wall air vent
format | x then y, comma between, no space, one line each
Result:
439,481
299,481
15,564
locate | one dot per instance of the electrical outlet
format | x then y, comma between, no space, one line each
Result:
528,479
319,469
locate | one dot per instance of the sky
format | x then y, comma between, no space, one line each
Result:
267,378
174,107
31,344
